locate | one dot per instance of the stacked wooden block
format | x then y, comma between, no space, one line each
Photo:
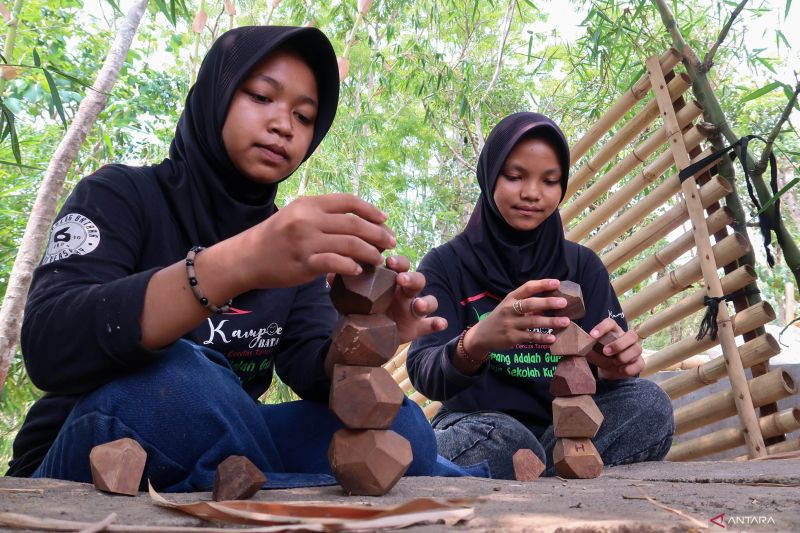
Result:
576,417
366,457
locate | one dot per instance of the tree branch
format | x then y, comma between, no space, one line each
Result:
708,61
498,66
761,166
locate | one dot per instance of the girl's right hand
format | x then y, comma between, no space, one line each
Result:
311,236
506,326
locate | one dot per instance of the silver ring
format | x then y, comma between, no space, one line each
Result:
517,306
414,311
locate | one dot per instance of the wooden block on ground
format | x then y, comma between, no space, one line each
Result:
572,292
237,478
368,462
117,466
605,340
362,340
576,417
572,377
527,465
577,459
364,397
368,293
571,340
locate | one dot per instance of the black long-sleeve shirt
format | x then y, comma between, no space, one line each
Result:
513,381
81,327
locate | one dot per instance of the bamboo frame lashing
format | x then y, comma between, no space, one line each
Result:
742,399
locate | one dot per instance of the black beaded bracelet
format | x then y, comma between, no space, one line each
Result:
190,273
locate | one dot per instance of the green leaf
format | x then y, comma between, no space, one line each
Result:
767,63
788,6
13,132
56,98
20,165
779,36
71,77
780,193
115,6
762,91
36,59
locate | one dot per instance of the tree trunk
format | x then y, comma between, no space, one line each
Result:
38,227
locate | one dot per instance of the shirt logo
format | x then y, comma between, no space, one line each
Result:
72,234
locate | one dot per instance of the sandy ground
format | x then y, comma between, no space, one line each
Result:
754,496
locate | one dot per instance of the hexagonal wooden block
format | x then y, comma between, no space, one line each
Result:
368,293
577,459
117,466
604,341
572,292
571,340
527,465
368,462
362,340
237,478
572,377
364,397
576,417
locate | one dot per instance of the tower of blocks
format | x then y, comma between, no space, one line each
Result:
367,458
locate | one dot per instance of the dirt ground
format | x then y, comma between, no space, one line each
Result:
754,496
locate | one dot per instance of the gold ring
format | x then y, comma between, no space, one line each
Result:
517,305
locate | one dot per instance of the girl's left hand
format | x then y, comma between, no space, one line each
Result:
409,284
620,359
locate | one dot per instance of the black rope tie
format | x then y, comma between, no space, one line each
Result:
765,225
708,326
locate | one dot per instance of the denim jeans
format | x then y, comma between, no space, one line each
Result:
637,426
189,413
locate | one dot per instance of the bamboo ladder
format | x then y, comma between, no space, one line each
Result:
629,234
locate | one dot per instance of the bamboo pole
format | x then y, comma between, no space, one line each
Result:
667,61
772,425
641,209
401,374
782,447
604,210
752,352
431,409
751,318
725,251
664,257
691,303
417,398
744,406
651,233
677,87
405,386
771,387
398,360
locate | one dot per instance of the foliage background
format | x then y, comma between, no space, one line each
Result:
427,81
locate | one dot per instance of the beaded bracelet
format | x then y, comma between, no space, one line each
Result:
460,350
190,273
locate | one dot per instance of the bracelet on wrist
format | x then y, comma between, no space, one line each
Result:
195,285
462,352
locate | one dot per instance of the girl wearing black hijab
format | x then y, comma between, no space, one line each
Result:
491,366
168,295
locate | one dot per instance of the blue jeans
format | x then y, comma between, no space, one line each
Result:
637,426
189,413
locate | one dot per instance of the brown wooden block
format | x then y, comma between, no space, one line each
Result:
572,377
572,292
368,293
577,459
364,397
237,478
576,417
604,341
362,340
527,465
368,462
117,466
571,340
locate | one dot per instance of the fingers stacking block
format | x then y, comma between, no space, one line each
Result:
576,417
571,291
368,293
117,466
237,479
572,377
368,462
605,340
527,465
571,340
364,397
577,459
362,340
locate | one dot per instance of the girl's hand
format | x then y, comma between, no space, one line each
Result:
620,359
311,236
416,323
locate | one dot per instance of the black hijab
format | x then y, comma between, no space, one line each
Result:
208,197
499,256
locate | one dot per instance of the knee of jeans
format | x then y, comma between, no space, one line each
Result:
412,424
495,434
656,408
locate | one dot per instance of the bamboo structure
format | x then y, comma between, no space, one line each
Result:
787,446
